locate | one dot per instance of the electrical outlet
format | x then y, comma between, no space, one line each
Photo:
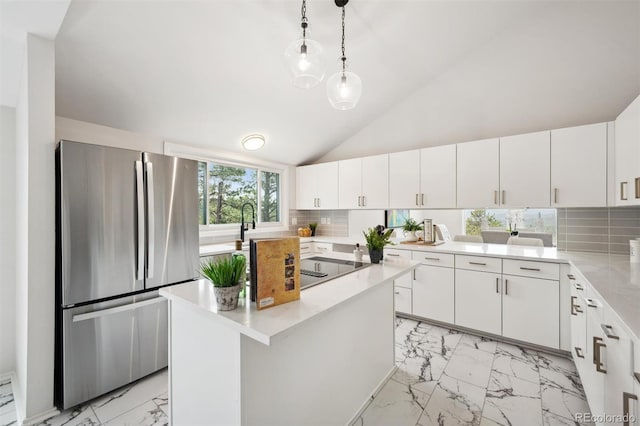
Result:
328,221
323,220
294,220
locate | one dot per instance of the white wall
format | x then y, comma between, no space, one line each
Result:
7,240
35,230
361,220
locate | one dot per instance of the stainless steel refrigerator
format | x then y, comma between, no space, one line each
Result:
127,224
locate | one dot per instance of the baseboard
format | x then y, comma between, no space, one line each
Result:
39,418
375,393
17,399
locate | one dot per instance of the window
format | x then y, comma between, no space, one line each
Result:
524,220
224,188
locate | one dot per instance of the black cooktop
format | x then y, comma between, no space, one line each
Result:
316,270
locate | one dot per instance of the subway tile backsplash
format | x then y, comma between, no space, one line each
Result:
332,223
598,230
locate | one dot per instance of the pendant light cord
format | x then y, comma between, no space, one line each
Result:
344,58
304,23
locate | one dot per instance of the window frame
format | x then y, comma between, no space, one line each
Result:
234,160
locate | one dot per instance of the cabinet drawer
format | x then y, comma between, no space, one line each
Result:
433,258
526,268
305,248
322,247
395,253
479,263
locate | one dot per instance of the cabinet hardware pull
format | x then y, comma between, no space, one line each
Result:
608,331
596,354
578,287
637,376
318,202
304,247
417,204
578,352
591,303
530,269
506,287
359,205
422,199
477,263
397,292
504,196
571,276
432,258
495,197
625,406
579,309
414,274
555,195
364,201
623,192
637,187
497,279
573,305
392,254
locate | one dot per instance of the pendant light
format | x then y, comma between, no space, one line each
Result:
304,57
344,87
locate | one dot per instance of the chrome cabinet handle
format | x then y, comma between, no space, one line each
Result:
623,190
150,220
626,397
359,201
417,203
477,263
495,197
506,287
597,345
397,292
497,281
555,195
140,224
637,376
578,287
318,201
608,331
530,269
116,309
637,180
393,254
573,305
571,276
364,201
504,196
578,352
591,303
579,309
422,199
432,258
304,247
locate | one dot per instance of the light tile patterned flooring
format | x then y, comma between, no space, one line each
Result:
449,378
444,378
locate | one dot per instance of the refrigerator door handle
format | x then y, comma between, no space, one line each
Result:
150,220
117,309
140,222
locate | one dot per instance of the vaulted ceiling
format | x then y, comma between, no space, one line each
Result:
433,72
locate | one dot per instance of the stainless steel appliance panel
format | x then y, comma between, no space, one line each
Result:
107,345
172,220
100,231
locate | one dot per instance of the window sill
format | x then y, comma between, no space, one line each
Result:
230,235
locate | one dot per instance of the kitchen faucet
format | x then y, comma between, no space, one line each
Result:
242,224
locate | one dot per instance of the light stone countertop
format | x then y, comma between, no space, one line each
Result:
276,322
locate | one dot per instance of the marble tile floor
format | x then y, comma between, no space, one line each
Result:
445,378
141,403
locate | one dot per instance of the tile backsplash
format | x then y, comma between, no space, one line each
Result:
599,230
332,223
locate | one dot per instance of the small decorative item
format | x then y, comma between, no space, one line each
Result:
225,274
313,227
410,227
377,238
304,232
514,218
358,253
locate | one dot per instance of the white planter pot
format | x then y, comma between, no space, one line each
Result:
410,236
227,297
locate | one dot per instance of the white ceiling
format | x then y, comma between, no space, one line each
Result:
210,72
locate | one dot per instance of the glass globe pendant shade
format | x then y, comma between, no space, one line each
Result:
344,89
304,60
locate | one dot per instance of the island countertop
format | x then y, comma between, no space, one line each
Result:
274,323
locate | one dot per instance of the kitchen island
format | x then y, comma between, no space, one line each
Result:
315,361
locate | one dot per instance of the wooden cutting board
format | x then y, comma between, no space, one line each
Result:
422,243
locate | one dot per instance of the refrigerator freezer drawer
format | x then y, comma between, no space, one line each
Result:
110,344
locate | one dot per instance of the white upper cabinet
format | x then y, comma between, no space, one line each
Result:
524,170
364,182
438,177
627,148
478,174
404,179
579,166
317,186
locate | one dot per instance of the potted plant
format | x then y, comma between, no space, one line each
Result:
376,240
226,275
410,227
313,227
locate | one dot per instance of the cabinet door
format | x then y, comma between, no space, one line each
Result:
438,176
524,170
350,187
593,380
327,185
531,310
433,293
478,174
404,179
478,301
402,300
375,182
305,187
627,153
579,166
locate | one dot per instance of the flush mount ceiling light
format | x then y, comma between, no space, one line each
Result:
304,57
253,142
344,87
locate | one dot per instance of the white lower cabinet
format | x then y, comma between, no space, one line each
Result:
433,293
531,310
402,299
478,300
